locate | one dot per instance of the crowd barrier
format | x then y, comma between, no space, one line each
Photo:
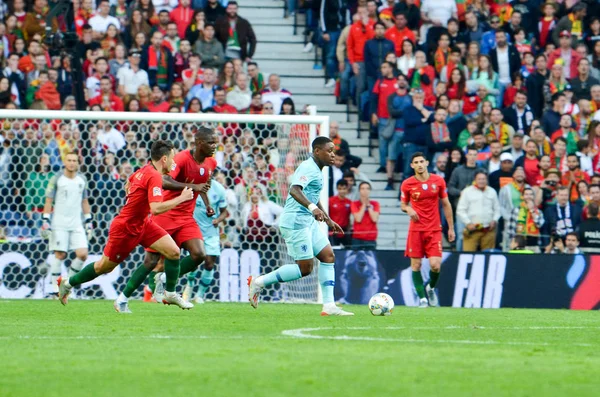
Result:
475,280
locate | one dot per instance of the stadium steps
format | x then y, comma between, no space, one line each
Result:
280,51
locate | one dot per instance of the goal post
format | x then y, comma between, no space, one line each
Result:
257,155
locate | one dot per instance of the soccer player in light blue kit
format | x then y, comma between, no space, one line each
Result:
299,226
210,233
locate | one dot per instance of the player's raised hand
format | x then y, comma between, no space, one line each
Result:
413,214
210,211
319,215
187,194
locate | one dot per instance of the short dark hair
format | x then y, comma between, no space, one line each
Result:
593,209
480,171
349,174
100,59
340,152
572,234
582,144
477,132
252,64
319,141
233,3
594,185
521,92
417,154
556,96
203,133
364,183
159,149
341,182
560,139
472,147
380,24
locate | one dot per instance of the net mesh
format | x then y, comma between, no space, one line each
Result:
255,160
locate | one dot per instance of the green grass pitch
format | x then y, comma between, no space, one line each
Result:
86,349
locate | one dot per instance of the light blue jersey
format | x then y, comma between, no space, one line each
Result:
217,200
295,216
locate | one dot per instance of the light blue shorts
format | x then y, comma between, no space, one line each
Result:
212,246
304,243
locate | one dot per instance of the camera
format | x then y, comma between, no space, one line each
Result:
551,183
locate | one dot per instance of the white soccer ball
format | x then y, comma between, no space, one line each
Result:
381,304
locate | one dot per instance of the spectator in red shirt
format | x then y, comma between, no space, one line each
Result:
530,163
400,32
107,99
366,215
567,54
339,212
222,106
360,32
572,177
195,74
182,16
158,103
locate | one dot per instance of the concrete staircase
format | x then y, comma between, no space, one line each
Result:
280,51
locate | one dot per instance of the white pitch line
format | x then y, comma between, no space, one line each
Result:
304,333
125,337
477,327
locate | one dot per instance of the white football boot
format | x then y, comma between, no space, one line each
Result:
173,298
332,310
431,296
63,290
253,292
423,303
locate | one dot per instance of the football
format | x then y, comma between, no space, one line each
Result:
381,304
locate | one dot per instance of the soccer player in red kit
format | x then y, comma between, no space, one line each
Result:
191,169
420,199
133,225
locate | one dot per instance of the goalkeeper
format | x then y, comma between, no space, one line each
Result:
210,231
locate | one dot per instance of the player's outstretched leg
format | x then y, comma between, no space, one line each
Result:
88,273
284,274
327,283
434,275
415,264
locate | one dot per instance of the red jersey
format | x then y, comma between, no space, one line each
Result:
143,187
366,229
188,73
425,199
187,170
383,88
339,211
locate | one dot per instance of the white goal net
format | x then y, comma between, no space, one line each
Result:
256,156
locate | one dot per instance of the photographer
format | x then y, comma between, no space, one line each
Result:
546,195
570,246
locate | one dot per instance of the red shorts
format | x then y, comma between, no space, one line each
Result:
181,229
423,244
121,241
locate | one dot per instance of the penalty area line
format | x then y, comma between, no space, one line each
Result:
307,333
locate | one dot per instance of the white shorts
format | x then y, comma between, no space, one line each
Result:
65,240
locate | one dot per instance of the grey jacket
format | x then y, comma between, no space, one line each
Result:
211,53
461,177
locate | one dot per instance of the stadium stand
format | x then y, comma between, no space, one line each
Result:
502,71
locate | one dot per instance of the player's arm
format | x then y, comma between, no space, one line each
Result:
447,208
48,207
335,228
209,209
297,194
168,183
160,207
223,214
405,204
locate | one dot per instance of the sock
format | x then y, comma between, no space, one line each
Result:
418,282
282,275
172,273
88,273
191,279
136,279
327,281
151,283
433,278
206,280
76,266
55,271
122,298
187,265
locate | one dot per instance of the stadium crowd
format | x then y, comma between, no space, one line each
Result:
148,56
510,88
502,96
